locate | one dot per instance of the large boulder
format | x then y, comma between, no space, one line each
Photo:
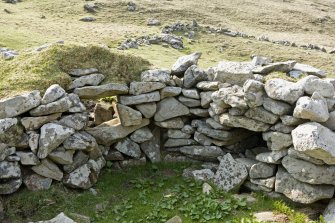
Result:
316,141
17,105
301,192
312,173
313,108
184,62
230,174
96,92
233,96
109,132
275,67
313,84
233,72
283,90
52,135
170,108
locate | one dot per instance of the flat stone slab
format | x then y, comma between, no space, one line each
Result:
140,99
170,108
96,92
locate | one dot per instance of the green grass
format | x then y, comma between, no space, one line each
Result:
150,193
39,70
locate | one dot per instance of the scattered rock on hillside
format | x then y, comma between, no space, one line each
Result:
131,6
88,19
153,22
91,7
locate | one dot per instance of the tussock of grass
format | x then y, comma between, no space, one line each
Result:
37,71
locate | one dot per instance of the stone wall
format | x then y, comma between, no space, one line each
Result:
271,136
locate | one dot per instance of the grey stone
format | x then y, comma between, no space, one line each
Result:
141,135
34,137
133,162
53,93
291,121
148,110
162,76
103,112
128,147
139,99
137,88
203,175
82,72
191,93
202,139
6,151
76,121
194,75
170,108
35,182
253,93
52,135
243,122
283,90
178,134
329,212
330,123
106,90
170,92
273,157
179,142
262,115
269,216
204,153
174,123
18,105
313,84
233,96
188,129
206,98
80,141
10,186
9,170
299,155
79,107
79,159
206,188
208,85
151,148
127,115
62,156
216,125
59,106
309,70
301,192
230,174
61,218
262,170
200,112
11,132
275,67
277,107
280,127
34,123
28,158
260,61
184,62
48,169
247,162
189,102
153,22
175,219
267,183
88,80
280,141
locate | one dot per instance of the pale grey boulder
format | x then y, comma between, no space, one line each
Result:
282,90
208,85
253,93
301,192
191,93
280,141
79,159
27,158
162,76
151,147
280,127
141,135
52,135
273,157
262,115
277,107
137,88
9,170
233,96
59,106
80,141
129,148
11,132
313,84
309,70
35,182
48,169
76,121
184,62
230,174
265,183
189,102
140,99
148,110
170,108
34,123
275,67
170,92
262,170
313,108
20,104
243,122
302,156
194,75
88,80
206,98
329,212
106,90
53,93
127,115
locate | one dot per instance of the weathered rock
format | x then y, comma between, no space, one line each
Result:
9,170
109,132
162,76
140,99
141,135
151,148
27,158
265,183
233,72
204,153
315,140
148,110
203,175
62,156
329,212
184,62
208,85
299,155
33,123
35,182
312,173
309,70
137,88
132,162
313,108
33,141
52,135
59,106
178,134
216,125
175,219
153,22
253,93
283,90
174,123
53,93
79,107
6,151
48,169
128,147
280,141
76,121
262,170
189,102
11,132
114,155
206,98
243,122
106,90
313,84
194,75
260,61
17,105
188,129
170,108
262,115
291,121
202,139
170,92
280,127
61,218
206,188
233,96
330,123
247,162
82,72
269,216
127,115
85,176
200,112
301,192
10,186
179,142
80,141
103,112
79,159
230,174
191,93
277,107
271,157
275,67
88,80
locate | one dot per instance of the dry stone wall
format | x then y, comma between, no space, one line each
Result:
270,136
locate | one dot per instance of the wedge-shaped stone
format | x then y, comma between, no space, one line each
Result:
316,141
53,93
170,108
141,135
89,80
273,157
62,156
128,147
243,122
230,174
17,105
204,153
137,88
174,123
48,169
109,132
127,115
253,93
170,92
52,135
189,102
301,192
140,99
27,158
148,110
79,159
193,75
277,107
184,62
152,147
309,70
33,123
275,67
96,92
